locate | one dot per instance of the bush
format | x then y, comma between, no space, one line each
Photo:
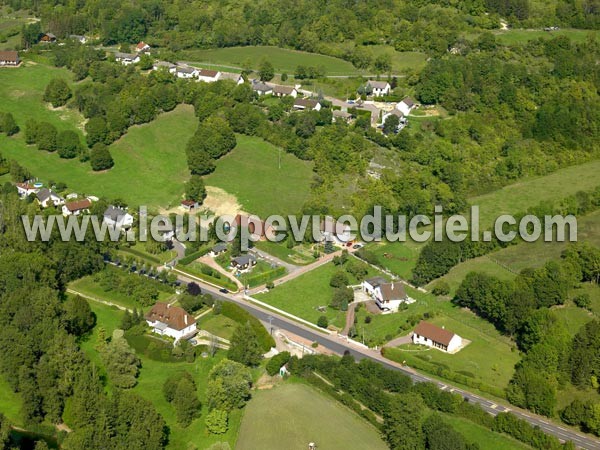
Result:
241,316
583,300
216,421
100,157
68,144
276,362
441,288
323,322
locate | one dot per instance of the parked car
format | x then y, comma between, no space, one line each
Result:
224,291
357,246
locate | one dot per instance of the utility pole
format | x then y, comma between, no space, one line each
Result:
270,319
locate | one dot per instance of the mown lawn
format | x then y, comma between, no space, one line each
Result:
299,255
401,61
283,60
218,324
150,164
398,257
489,358
304,295
10,403
289,416
251,173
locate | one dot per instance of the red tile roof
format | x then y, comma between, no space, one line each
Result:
436,334
78,205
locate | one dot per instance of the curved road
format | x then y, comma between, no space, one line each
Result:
340,345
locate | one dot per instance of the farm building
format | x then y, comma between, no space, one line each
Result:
432,336
172,321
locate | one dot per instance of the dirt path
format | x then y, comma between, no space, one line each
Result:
210,262
400,341
349,318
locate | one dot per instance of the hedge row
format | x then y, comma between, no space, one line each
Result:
241,316
142,255
265,277
187,259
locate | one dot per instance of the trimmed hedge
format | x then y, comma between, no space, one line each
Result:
241,316
141,255
265,277
187,259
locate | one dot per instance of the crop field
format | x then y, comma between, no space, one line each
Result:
283,60
253,174
289,416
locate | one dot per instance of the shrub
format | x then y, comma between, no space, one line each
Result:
276,362
441,288
323,322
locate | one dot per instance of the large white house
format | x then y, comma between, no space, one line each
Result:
118,218
208,76
282,91
406,106
46,197
77,207
387,295
127,58
186,72
235,77
432,336
26,189
307,104
379,88
172,321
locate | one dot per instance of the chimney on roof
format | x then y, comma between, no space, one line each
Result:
185,319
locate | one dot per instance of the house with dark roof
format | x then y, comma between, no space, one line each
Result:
243,263
127,58
9,59
309,104
378,88
433,336
406,106
186,72
283,91
77,207
340,116
208,76
261,88
217,249
387,295
46,197
172,321
170,67
118,218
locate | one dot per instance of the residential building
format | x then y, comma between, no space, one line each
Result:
406,106
26,189
79,38
170,67
235,77
47,38
186,72
257,229
77,207
189,204
340,116
46,197
142,47
243,263
433,336
388,295
217,249
118,218
307,104
282,91
379,88
393,112
208,76
172,321
261,88
127,58
9,59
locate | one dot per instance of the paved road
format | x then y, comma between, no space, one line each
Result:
340,346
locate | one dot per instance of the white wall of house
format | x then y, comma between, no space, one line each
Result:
175,334
403,108
455,342
124,221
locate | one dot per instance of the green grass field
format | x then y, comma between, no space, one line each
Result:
530,192
303,295
484,438
517,36
401,61
218,324
299,255
283,60
150,382
150,164
397,257
289,416
10,403
489,358
251,173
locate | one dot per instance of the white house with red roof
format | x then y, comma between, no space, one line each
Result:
433,336
208,76
26,189
142,47
172,321
387,295
77,207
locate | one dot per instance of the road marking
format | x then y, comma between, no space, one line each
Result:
494,406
